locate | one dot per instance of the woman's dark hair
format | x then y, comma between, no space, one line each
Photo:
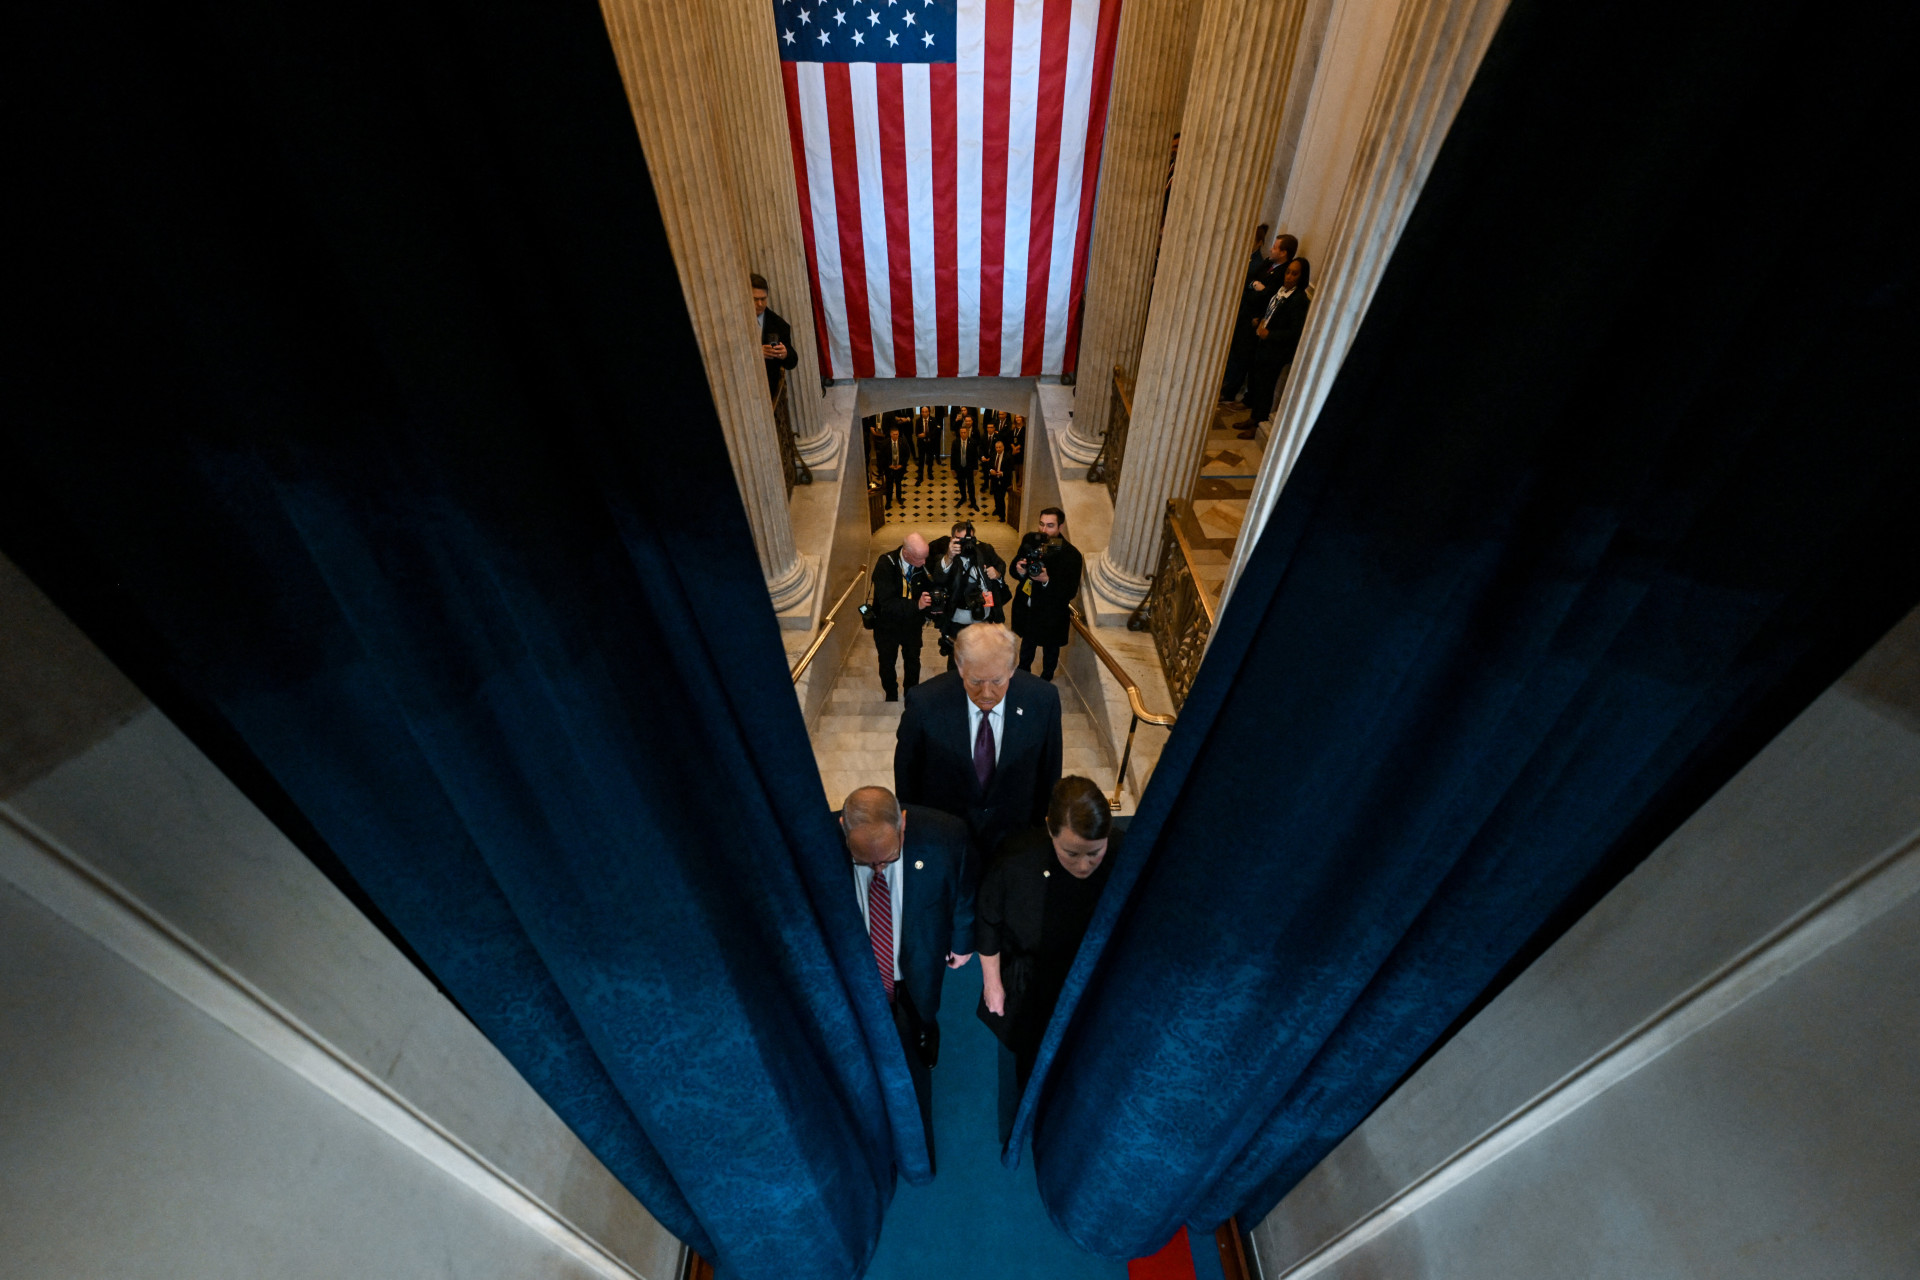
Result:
1306,272
1078,803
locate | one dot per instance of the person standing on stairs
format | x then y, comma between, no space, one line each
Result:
915,886
901,597
1046,576
1034,909
982,742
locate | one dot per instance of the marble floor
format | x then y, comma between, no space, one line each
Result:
1221,492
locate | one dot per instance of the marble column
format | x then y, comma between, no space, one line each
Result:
1242,56
664,60
1151,58
1434,52
751,115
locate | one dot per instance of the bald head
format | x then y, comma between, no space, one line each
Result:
874,826
914,550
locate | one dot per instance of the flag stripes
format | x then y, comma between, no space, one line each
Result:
948,204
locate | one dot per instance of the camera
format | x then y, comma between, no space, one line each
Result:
1034,549
921,582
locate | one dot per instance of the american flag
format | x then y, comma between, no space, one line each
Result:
946,153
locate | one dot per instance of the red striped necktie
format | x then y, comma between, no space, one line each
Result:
880,926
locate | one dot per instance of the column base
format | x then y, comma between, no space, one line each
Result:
823,453
1075,454
796,594
1111,593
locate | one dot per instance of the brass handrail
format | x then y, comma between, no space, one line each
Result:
1199,587
1134,704
826,625
1112,664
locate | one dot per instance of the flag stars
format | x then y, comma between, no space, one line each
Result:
928,38
858,38
787,36
840,17
804,19
892,39
823,35
873,18
907,18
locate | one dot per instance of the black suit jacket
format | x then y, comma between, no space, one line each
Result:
933,757
1283,331
1041,615
774,329
966,454
1008,464
936,909
894,613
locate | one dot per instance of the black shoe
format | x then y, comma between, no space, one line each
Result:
893,695
1047,676
930,1046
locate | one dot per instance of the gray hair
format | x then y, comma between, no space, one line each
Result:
977,643
870,806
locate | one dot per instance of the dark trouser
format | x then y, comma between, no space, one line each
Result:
908,649
1000,501
1049,657
1237,356
1260,386
891,482
907,1023
924,459
966,480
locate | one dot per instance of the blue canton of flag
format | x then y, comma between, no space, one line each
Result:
865,30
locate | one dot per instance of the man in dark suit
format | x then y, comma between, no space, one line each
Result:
776,337
1262,280
926,444
999,467
981,742
1046,579
894,455
915,882
899,611
930,868
966,467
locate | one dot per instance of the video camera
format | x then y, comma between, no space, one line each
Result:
1036,547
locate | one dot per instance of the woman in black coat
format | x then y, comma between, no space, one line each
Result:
1277,337
1032,912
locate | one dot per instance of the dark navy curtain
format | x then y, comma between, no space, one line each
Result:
358,414
1623,468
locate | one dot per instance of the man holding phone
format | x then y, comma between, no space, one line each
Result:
776,337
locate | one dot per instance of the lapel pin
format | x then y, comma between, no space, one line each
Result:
1019,711
1045,874
919,866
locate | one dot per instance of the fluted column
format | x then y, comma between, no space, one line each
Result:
668,71
1436,49
751,115
1151,59
1241,61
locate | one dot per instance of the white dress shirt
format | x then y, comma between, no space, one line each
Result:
897,882
996,717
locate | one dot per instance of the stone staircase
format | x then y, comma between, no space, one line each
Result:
853,739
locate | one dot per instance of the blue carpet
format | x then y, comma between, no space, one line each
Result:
977,1220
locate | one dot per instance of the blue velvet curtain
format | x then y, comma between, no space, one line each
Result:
361,419
1622,469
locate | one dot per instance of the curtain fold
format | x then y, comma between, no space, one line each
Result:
363,423
1620,472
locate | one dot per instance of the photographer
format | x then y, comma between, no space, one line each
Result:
975,583
903,593
1046,576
